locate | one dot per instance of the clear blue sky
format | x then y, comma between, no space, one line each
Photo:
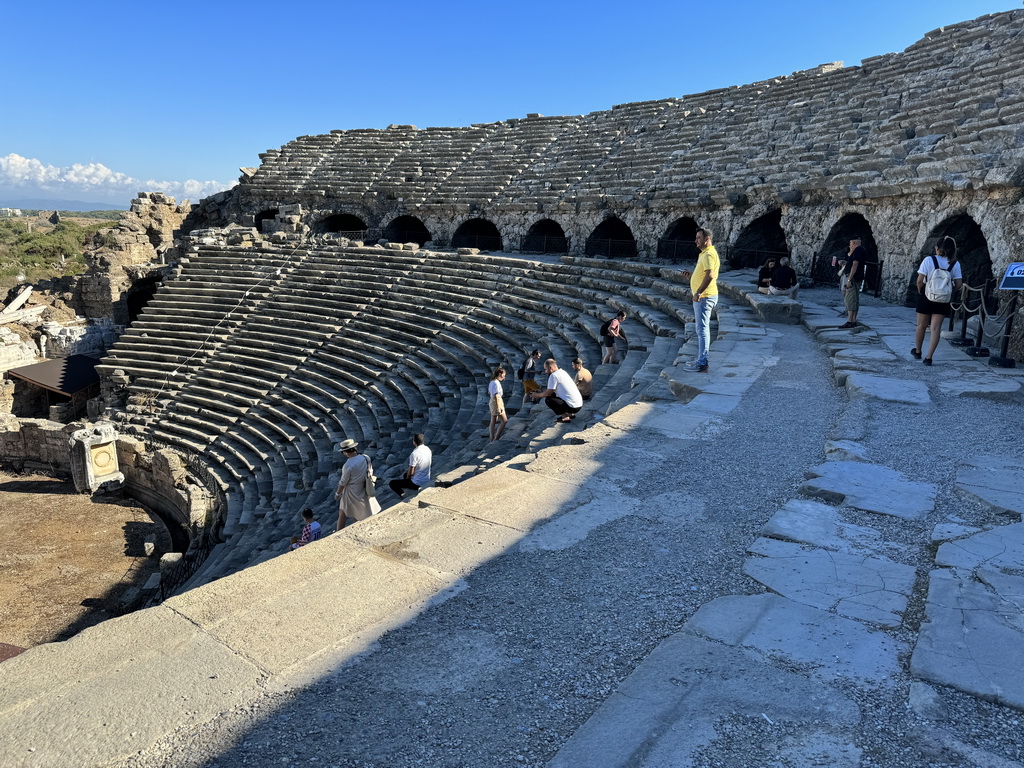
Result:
193,90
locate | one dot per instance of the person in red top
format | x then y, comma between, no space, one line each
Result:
310,531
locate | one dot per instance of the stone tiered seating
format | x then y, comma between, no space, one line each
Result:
899,120
394,343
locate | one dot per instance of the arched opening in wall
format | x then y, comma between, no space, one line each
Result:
268,215
477,233
546,236
827,261
761,238
678,244
612,238
407,229
139,295
341,224
971,252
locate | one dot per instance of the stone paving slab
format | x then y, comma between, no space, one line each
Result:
670,705
890,389
994,480
865,354
672,419
1001,547
871,487
508,497
845,450
973,639
819,525
259,616
990,386
865,588
778,627
950,531
115,681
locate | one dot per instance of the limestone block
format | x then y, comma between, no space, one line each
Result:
94,463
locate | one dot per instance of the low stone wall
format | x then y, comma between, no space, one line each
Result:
158,479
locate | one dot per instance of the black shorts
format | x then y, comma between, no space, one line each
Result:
609,341
926,306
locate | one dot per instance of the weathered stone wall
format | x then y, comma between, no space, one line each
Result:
36,445
16,350
906,140
141,241
93,338
156,478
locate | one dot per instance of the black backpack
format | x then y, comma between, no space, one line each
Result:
521,372
605,327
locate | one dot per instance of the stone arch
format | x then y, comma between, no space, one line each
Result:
139,295
678,243
407,229
972,253
761,238
477,233
837,246
612,238
266,215
545,236
341,223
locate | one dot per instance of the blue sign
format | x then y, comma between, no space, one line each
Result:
1013,280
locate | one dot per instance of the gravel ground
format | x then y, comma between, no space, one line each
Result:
503,673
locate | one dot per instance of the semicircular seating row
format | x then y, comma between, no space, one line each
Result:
260,360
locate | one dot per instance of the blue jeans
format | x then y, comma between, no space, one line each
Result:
702,319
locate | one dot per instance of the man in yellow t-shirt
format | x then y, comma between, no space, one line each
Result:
704,287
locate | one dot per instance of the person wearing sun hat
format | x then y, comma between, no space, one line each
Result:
353,501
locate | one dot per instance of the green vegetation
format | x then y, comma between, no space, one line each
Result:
43,254
104,215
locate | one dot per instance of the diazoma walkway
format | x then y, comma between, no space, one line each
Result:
808,557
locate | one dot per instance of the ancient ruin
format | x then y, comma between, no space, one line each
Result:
363,284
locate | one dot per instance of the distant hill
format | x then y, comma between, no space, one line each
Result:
60,205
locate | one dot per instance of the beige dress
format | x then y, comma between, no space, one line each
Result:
354,502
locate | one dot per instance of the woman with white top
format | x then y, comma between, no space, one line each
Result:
497,403
930,314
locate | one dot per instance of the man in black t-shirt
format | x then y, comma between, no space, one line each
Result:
783,280
854,273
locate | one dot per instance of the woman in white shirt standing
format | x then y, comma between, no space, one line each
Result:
497,403
930,314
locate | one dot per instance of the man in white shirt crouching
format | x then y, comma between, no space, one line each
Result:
562,395
418,473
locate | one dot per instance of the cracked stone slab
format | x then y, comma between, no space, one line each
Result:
995,481
670,705
819,525
973,638
950,531
872,488
777,626
856,586
982,384
862,353
890,390
1001,547
845,450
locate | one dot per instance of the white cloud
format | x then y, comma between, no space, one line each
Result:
93,181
